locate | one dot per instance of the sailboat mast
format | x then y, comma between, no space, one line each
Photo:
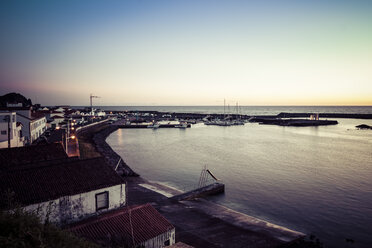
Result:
224,107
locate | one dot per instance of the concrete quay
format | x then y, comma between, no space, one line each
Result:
201,223
146,126
212,189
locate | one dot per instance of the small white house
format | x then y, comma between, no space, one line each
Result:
62,109
133,226
100,112
55,121
10,130
65,191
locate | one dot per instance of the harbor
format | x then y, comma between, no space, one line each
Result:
199,221
246,157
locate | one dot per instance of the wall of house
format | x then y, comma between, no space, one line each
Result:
24,112
37,127
25,127
159,241
15,136
68,209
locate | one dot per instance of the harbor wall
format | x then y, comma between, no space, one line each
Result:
111,157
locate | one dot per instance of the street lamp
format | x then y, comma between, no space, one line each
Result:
67,134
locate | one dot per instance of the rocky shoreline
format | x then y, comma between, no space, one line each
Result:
111,157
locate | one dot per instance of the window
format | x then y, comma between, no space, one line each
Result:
3,132
102,200
167,243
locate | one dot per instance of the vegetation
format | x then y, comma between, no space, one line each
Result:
15,97
21,229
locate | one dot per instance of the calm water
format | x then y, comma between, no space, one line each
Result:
312,179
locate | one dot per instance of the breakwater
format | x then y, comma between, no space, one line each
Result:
294,122
325,115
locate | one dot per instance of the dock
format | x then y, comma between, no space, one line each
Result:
146,126
212,189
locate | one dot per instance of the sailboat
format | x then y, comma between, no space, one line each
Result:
238,121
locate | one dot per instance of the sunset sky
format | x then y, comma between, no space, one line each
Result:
187,52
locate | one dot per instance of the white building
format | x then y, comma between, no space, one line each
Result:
34,125
67,191
134,226
100,112
55,121
15,104
10,130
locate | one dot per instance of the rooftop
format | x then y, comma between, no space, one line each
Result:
143,221
48,180
14,108
34,116
37,115
30,154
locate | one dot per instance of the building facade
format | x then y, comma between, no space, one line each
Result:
72,208
63,191
10,130
33,123
34,126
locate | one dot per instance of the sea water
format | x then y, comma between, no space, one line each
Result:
317,180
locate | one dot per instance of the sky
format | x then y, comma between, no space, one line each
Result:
186,52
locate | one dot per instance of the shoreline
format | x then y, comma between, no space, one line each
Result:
189,217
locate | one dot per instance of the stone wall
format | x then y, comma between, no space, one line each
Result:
111,157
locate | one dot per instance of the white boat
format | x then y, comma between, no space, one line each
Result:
153,125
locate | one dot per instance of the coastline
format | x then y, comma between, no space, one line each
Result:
199,222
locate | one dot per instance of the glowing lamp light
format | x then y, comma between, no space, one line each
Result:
58,128
72,137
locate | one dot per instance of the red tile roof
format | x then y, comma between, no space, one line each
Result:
146,223
37,115
15,108
30,154
48,180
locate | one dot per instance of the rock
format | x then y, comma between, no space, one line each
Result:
364,126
